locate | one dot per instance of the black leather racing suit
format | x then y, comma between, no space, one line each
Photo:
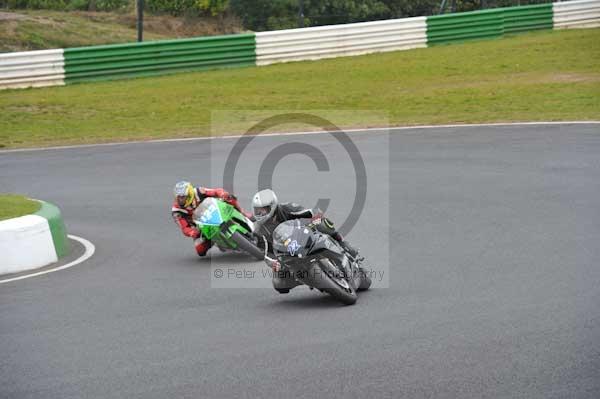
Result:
283,212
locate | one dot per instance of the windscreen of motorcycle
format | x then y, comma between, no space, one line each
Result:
208,213
292,238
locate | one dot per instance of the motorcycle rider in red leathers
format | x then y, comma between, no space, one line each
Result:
187,199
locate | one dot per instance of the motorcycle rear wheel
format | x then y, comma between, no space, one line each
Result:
365,280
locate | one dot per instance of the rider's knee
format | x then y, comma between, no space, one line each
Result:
326,226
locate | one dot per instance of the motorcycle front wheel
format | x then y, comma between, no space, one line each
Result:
337,287
247,246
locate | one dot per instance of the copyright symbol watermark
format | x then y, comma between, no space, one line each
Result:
321,161
347,176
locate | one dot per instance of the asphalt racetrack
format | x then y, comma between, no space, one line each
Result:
488,240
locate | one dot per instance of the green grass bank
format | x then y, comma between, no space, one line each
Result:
541,76
12,206
23,30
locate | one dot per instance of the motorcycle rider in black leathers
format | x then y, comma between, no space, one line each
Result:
269,214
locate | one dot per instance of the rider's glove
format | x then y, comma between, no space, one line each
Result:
315,220
273,264
229,197
276,266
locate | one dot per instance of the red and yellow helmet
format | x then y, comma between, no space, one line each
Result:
184,194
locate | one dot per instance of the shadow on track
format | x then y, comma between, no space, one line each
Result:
307,300
225,259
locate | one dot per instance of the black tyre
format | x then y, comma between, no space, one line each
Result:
365,280
245,244
340,289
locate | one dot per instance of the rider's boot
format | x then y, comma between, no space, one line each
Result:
202,246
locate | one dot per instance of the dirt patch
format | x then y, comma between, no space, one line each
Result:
8,27
528,78
48,22
170,26
34,109
556,77
11,16
574,77
43,29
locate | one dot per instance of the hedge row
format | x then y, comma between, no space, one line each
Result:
67,5
173,7
262,15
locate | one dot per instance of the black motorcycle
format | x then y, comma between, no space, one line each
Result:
316,260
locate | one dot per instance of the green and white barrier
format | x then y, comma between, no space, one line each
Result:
340,40
576,14
448,28
117,61
85,64
32,69
32,241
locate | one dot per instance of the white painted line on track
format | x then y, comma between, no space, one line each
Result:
89,251
371,129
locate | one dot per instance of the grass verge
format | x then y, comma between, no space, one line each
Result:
12,206
542,76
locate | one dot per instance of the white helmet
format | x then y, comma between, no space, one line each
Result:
264,204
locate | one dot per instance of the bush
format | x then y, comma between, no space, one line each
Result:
65,5
35,4
188,7
279,14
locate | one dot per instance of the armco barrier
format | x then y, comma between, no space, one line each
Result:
527,18
32,241
449,28
57,227
152,58
459,27
56,67
576,14
32,69
340,40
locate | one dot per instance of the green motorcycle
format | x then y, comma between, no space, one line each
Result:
227,227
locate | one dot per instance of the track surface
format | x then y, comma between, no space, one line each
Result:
494,279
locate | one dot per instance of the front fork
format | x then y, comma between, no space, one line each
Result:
227,230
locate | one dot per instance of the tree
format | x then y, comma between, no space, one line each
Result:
328,12
262,15
411,8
